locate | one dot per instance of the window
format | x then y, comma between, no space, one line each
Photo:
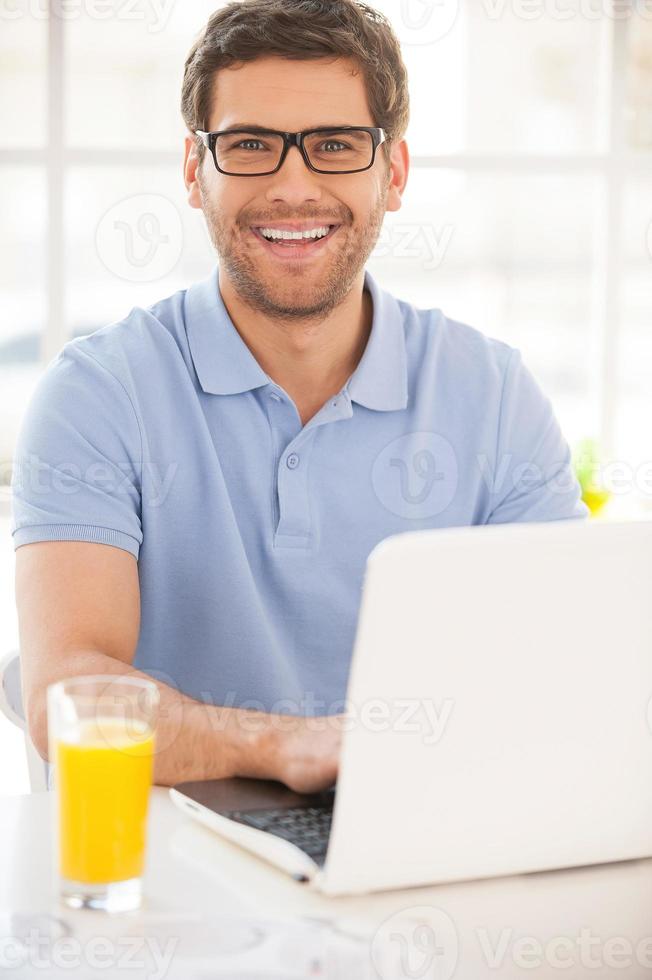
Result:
528,211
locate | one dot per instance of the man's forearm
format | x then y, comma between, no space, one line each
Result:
193,740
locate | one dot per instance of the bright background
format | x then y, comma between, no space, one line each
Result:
528,211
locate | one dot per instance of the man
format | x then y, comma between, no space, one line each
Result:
198,486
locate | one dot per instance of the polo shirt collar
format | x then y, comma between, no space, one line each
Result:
223,362
225,365
380,379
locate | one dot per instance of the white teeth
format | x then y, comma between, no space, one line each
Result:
273,233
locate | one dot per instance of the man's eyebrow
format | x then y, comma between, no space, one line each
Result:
256,127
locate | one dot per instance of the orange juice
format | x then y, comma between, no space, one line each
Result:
103,780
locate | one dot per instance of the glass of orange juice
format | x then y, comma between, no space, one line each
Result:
101,731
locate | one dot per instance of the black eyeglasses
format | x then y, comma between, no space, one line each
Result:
259,152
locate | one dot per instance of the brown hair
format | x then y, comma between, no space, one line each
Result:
301,30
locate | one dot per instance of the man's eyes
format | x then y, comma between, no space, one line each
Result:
323,142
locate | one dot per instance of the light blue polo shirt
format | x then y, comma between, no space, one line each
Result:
162,435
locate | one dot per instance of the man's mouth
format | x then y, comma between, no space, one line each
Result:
281,242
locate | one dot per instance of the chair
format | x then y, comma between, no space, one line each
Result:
11,705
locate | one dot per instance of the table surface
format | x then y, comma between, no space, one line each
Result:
213,910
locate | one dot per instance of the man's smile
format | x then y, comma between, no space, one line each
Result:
294,247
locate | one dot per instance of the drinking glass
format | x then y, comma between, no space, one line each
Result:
101,733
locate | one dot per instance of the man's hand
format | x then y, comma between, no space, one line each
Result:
304,752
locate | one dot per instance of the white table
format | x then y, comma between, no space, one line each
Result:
202,891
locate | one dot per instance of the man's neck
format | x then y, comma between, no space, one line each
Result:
310,361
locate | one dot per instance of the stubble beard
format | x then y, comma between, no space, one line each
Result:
306,292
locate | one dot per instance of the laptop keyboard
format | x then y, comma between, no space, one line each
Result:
308,827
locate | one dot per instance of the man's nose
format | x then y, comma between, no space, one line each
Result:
295,180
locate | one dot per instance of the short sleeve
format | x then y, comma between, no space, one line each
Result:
77,467
533,478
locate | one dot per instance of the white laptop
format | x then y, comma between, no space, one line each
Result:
500,716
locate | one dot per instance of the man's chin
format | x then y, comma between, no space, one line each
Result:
295,307
290,298
281,290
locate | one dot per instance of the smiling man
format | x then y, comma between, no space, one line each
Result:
197,487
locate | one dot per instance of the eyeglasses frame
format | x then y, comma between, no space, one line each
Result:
209,139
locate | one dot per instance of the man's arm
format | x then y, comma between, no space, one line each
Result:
79,613
533,472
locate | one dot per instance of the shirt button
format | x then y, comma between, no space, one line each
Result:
292,461
275,397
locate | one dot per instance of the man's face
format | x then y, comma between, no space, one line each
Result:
290,96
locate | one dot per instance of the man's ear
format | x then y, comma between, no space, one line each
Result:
399,167
191,166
